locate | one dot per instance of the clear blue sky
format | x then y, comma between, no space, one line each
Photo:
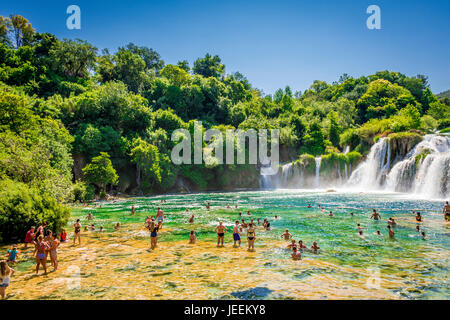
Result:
273,43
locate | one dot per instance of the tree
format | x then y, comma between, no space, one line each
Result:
5,25
101,172
73,58
175,75
209,66
314,140
147,160
22,31
151,58
334,129
184,64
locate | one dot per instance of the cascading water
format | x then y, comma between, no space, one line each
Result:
317,177
369,175
425,170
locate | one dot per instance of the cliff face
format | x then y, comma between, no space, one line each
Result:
402,143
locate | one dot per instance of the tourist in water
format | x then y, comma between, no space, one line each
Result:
236,235
331,214
228,207
391,231
5,274
358,226
315,247
243,224
154,228
101,229
251,237
268,226
301,246
375,215
418,228
160,216
418,217
191,219
89,216
296,255
240,214
378,233
220,230
41,255
133,210
208,206
53,250
29,237
392,222
192,237
258,221
351,214
117,226
446,211
309,205
286,235
360,234
248,213
292,244
63,236
77,232
423,235
236,206
12,254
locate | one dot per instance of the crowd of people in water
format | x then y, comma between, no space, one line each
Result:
46,242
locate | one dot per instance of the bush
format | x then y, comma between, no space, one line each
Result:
83,192
22,207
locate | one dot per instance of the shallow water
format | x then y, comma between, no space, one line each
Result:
118,265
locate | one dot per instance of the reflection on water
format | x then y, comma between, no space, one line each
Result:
118,264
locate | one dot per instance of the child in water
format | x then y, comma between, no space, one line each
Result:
296,255
12,254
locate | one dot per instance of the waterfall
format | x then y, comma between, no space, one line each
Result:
424,171
369,174
346,149
317,177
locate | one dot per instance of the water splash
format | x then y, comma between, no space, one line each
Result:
317,176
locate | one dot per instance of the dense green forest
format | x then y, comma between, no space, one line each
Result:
76,123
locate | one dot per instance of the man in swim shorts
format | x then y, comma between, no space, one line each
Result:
286,235
236,235
160,216
220,230
375,215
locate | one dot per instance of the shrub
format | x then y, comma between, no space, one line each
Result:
83,191
22,206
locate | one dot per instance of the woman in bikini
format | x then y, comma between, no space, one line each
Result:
418,217
77,232
41,255
153,234
251,237
5,273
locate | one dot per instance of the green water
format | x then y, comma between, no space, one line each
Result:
421,265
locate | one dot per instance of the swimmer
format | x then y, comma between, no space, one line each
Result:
191,219
268,226
391,231
248,213
360,234
446,211
90,216
378,233
220,230
117,226
418,217
77,232
301,246
309,205
208,206
275,218
296,255
101,229
192,237
392,222
133,210
286,235
236,234
351,214
243,224
258,221
423,235
315,247
228,207
292,244
331,214
251,237
358,226
375,215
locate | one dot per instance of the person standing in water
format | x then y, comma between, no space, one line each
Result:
375,215
29,237
5,273
251,237
191,219
391,232
160,217
208,206
41,255
192,237
446,211
53,250
286,235
418,217
154,228
133,210
236,235
220,230
315,247
77,232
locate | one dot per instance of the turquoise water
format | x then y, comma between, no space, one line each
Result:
417,267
